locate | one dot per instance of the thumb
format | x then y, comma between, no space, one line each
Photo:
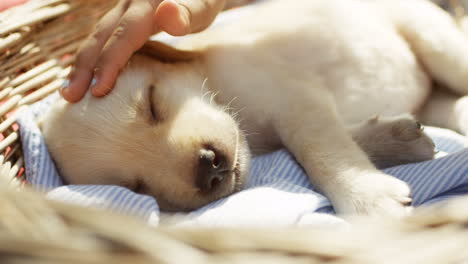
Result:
181,17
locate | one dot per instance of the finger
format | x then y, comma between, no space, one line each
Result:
131,33
88,53
181,17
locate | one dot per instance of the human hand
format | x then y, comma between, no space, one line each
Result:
123,30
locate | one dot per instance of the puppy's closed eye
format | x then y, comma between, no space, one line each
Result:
154,116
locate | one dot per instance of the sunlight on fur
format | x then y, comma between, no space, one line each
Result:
169,129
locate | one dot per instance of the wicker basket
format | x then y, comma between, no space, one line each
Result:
37,45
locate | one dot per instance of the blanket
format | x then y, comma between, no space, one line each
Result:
277,193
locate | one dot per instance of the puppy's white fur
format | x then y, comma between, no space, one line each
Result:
297,73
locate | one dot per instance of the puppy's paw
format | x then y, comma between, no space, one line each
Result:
374,194
394,141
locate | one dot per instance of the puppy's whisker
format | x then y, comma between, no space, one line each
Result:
213,96
235,116
236,153
203,86
251,134
238,111
260,150
238,119
228,105
205,95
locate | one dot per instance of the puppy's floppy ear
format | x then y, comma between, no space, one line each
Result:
167,53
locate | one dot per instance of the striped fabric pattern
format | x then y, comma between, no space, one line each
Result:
278,191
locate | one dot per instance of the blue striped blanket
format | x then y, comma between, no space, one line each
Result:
278,191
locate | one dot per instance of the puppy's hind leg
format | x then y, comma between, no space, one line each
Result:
445,109
392,141
436,39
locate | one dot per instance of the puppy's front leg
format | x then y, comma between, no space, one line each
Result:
311,129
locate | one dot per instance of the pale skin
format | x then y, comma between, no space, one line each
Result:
123,30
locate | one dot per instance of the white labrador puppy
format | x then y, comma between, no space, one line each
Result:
308,75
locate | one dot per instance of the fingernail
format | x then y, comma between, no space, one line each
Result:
71,75
92,85
65,86
66,83
93,82
172,1
184,14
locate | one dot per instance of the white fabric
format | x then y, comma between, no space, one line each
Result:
278,191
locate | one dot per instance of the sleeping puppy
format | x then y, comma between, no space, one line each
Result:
307,75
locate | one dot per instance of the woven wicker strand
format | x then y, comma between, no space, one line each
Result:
33,230
37,45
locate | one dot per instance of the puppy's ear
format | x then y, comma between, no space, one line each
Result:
167,53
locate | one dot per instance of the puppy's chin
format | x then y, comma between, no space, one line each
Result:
200,199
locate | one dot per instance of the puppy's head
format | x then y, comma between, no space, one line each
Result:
158,133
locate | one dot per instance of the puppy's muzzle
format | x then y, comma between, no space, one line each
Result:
212,170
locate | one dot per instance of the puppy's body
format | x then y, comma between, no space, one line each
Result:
299,74
334,45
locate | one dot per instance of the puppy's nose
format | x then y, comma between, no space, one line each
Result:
212,167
